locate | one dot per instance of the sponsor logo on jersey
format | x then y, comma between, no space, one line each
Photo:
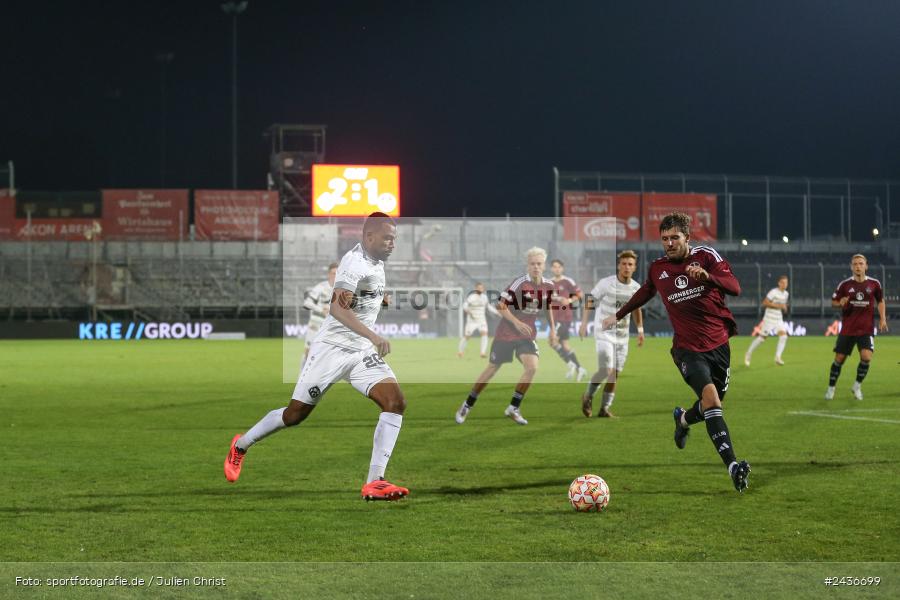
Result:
859,295
314,392
681,282
664,275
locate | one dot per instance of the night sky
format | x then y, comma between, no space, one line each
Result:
476,101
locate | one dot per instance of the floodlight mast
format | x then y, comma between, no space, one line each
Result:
234,9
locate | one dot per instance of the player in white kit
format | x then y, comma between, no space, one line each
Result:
476,306
610,294
318,302
346,348
776,303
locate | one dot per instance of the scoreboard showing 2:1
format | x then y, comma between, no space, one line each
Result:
355,190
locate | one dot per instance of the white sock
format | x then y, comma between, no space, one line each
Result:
268,425
782,342
386,433
755,343
462,345
484,344
608,398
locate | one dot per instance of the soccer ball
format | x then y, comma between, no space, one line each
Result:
589,493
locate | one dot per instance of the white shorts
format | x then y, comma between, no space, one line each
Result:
611,355
771,325
473,326
327,364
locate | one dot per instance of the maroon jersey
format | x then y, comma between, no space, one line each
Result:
526,301
696,308
565,288
859,313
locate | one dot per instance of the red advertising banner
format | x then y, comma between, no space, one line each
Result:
57,230
145,214
43,229
700,207
236,215
589,216
7,214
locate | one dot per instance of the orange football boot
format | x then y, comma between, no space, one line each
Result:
234,460
383,490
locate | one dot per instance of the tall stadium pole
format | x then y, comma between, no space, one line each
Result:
28,259
164,58
555,195
234,9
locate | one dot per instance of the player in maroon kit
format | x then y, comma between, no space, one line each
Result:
856,297
567,296
519,306
691,283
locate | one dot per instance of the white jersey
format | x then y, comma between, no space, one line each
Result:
317,301
475,308
364,276
610,295
778,297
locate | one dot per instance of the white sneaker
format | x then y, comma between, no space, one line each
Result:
571,372
778,361
829,393
462,413
582,373
857,390
747,360
513,413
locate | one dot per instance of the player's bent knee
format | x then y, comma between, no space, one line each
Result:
710,397
388,396
296,412
396,403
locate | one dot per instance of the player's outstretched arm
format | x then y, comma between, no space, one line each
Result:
309,303
554,341
586,315
721,276
641,297
639,323
507,314
341,309
882,317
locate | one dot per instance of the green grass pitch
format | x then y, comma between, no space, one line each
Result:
113,452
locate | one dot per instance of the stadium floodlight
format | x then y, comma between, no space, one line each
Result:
233,9
785,239
743,242
875,232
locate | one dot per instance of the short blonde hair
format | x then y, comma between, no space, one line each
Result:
626,254
862,256
535,251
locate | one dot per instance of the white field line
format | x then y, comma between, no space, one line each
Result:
866,410
807,413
